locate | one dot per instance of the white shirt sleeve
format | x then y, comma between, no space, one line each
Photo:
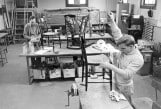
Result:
116,32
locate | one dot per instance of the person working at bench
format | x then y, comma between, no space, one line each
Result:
32,35
32,31
129,61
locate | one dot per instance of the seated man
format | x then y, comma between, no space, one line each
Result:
31,30
129,61
32,35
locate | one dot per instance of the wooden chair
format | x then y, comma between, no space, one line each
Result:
51,40
90,60
72,31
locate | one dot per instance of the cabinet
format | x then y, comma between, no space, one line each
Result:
135,24
147,67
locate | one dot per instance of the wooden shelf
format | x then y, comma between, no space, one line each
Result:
21,18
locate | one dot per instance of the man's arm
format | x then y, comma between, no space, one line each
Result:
26,33
127,73
116,32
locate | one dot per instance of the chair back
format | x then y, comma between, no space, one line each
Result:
82,38
71,24
83,26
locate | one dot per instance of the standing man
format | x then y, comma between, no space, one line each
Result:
129,61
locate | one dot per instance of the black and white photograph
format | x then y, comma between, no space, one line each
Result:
80,54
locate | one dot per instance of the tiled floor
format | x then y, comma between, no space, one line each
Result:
15,93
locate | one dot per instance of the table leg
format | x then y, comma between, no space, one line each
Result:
5,42
80,105
28,69
156,94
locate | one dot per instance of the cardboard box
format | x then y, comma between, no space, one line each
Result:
55,73
69,73
39,74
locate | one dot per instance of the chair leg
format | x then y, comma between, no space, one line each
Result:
110,80
5,56
156,94
103,70
86,82
59,41
67,42
82,71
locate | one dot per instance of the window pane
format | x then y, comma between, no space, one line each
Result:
76,3
149,1
71,1
82,1
124,1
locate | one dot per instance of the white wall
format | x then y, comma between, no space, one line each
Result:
58,4
156,19
141,11
51,4
111,5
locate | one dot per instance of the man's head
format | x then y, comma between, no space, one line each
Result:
32,19
126,43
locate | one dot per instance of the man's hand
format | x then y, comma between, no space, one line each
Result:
106,65
35,39
110,17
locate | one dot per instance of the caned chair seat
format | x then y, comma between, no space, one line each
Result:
97,59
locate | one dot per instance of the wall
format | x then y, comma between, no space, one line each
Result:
58,4
156,34
111,5
156,13
51,4
156,19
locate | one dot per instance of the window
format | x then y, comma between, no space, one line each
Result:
125,1
76,3
26,3
148,4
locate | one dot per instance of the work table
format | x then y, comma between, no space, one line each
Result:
97,97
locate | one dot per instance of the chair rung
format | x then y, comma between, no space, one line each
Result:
99,82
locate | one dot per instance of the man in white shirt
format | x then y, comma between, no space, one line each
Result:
129,61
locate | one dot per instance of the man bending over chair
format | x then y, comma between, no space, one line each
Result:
129,61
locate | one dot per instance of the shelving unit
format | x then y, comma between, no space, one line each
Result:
99,28
23,10
136,26
21,18
98,22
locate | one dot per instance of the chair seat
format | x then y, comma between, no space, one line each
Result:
97,59
75,36
142,103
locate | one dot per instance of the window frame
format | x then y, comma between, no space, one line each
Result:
147,6
76,5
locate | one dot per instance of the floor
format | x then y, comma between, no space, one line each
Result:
15,93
